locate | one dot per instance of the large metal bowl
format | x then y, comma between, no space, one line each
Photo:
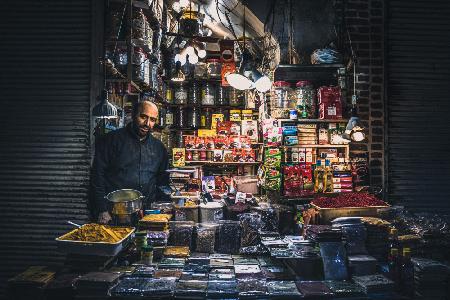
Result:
125,201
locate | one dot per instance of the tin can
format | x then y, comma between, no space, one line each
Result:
293,114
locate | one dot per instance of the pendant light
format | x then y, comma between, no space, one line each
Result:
104,109
178,75
354,131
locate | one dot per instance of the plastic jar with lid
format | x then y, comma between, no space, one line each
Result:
306,99
181,94
193,120
214,68
223,95
194,93
282,94
208,93
138,64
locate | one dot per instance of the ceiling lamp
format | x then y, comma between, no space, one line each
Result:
262,82
239,81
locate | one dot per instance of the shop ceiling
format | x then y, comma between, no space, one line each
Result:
314,23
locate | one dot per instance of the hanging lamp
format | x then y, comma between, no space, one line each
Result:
354,131
104,109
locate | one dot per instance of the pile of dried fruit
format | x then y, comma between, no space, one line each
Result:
348,200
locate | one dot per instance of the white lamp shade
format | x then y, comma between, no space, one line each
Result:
263,84
193,59
184,3
239,82
190,50
358,136
202,53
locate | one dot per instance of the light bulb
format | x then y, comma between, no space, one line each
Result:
182,59
176,7
239,82
190,50
193,59
263,84
184,3
358,136
202,53
177,58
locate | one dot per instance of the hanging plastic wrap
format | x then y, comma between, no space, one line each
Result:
181,234
206,237
334,260
229,238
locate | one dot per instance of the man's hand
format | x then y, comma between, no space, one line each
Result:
104,218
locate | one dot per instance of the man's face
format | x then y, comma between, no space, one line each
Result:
146,119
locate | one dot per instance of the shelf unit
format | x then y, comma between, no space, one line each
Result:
206,162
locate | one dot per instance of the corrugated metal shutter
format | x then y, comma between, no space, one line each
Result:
418,69
45,54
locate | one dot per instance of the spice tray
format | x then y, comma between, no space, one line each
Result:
326,215
92,248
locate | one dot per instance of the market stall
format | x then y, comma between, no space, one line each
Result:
266,201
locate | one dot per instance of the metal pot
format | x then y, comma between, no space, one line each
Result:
125,201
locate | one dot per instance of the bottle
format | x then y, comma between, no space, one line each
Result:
393,240
147,255
393,266
169,118
328,177
319,177
407,274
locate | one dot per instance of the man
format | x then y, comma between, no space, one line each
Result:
130,158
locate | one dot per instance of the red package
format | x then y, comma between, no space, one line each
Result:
221,142
330,102
224,128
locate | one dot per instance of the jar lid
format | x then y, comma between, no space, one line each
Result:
147,248
213,60
281,84
303,83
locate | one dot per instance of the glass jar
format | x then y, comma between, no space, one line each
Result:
169,117
222,95
169,94
162,117
181,117
214,68
282,93
236,97
208,93
206,118
194,93
121,60
139,25
193,118
306,99
138,64
181,94
200,70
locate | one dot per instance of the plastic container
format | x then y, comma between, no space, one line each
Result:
282,94
206,238
194,93
186,213
181,233
306,99
211,212
229,237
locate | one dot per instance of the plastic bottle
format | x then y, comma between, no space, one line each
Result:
319,173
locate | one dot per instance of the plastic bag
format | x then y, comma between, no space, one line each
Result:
334,260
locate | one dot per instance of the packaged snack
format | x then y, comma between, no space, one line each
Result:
178,157
208,184
215,119
235,115
249,128
247,114
235,128
224,127
218,155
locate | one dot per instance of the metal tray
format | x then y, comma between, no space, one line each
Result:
92,248
326,215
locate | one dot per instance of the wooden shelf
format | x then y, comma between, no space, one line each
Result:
314,120
206,162
316,146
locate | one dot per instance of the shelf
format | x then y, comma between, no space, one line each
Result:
205,162
317,146
294,73
314,120
189,105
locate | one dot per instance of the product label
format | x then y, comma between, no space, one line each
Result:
331,110
181,95
169,118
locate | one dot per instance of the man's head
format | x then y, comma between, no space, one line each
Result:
145,115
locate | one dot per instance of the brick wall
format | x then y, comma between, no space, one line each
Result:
365,22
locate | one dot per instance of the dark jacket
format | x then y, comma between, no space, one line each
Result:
122,161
